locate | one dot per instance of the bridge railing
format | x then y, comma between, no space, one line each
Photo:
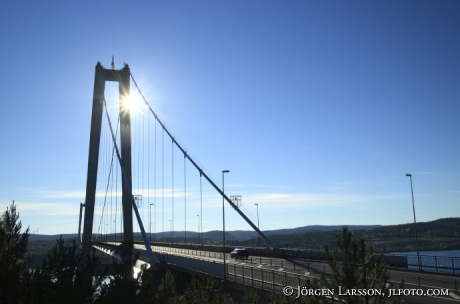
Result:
271,280
438,264
265,279
307,254
283,273
444,265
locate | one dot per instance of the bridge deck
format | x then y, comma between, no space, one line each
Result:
272,274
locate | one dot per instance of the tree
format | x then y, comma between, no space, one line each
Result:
166,292
354,268
13,248
66,276
124,287
205,291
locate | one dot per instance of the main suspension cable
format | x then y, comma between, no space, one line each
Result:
204,174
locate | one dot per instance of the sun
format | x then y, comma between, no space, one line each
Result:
132,103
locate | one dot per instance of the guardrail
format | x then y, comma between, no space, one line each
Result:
444,265
438,264
267,280
274,279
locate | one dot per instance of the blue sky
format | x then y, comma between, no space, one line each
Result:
318,108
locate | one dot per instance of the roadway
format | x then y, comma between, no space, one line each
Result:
257,271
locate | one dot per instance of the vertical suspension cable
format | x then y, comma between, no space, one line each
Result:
148,178
98,185
103,174
211,182
143,164
106,171
139,174
100,173
111,199
155,182
129,190
138,171
172,181
104,215
115,175
185,201
201,208
163,184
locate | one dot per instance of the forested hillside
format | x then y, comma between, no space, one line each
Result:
442,234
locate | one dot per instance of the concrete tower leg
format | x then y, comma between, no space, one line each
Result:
93,157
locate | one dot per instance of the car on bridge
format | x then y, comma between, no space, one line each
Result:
239,253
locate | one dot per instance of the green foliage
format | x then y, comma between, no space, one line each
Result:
353,267
205,291
65,276
124,286
38,250
13,248
442,234
251,297
166,292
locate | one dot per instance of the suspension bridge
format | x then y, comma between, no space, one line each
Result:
144,191
140,181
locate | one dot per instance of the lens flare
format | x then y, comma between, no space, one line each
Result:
132,103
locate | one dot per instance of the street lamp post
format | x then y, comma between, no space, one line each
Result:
170,231
150,222
223,221
415,222
115,225
258,236
198,230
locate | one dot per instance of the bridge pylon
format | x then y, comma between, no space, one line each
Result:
123,78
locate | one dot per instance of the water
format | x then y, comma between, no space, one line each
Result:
447,261
445,253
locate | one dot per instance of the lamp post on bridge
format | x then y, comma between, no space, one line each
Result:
415,222
223,222
198,230
258,236
150,222
170,231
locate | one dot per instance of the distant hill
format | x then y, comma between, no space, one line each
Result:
239,235
313,228
43,237
442,234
